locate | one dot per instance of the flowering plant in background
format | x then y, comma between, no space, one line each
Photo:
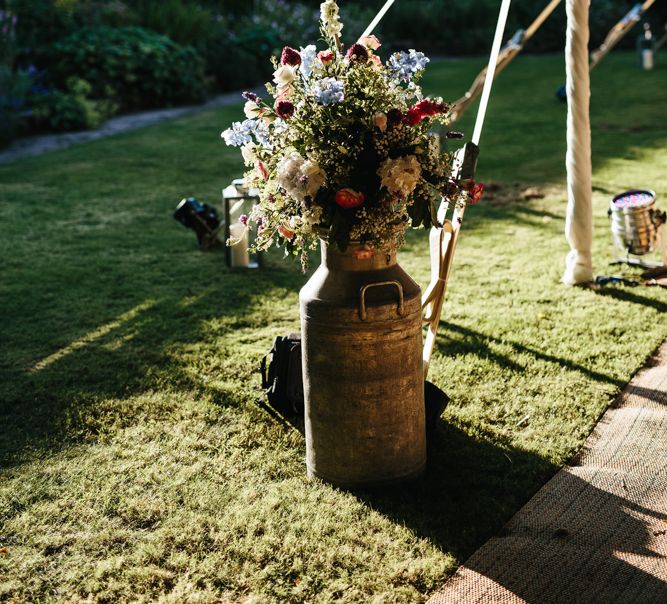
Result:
342,150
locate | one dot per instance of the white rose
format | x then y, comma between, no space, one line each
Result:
249,154
251,110
284,75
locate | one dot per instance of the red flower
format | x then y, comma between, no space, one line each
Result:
347,198
413,117
284,109
290,56
422,109
476,192
325,56
285,232
357,54
261,170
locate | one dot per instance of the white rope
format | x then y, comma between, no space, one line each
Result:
579,217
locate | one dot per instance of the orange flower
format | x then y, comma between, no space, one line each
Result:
285,232
347,198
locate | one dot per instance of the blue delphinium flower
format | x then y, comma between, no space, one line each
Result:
261,131
405,65
328,91
308,57
240,133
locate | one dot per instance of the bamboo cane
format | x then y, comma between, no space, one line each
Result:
512,48
617,33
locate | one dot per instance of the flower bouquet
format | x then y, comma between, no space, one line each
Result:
343,150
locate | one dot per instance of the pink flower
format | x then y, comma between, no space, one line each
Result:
347,198
357,54
325,56
376,61
290,56
284,109
370,42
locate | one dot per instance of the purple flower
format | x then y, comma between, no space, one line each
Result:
251,96
243,219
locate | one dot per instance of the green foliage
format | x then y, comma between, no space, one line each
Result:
135,464
184,22
72,109
142,68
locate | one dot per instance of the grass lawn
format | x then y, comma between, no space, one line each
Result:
135,464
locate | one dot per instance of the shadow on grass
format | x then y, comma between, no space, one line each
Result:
478,344
470,489
625,295
86,386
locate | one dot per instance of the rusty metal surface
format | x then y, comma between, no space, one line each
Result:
363,376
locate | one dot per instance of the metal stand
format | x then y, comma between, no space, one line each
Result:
634,260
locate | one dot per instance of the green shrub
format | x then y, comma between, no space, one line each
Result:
72,109
143,69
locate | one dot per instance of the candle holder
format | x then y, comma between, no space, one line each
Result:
239,200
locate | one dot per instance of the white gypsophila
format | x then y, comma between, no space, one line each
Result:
400,176
313,216
284,75
301,178
329,17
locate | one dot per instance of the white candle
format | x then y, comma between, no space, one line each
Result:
647,58
240,256
490,71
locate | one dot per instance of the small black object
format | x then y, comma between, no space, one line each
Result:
603,280
201,218
435,401
282,379
561,93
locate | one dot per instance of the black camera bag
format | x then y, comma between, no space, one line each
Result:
281,376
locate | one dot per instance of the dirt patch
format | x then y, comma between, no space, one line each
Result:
503,194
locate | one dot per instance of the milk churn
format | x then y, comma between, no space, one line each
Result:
361,325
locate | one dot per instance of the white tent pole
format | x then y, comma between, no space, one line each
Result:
579,216
369,30
490,71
